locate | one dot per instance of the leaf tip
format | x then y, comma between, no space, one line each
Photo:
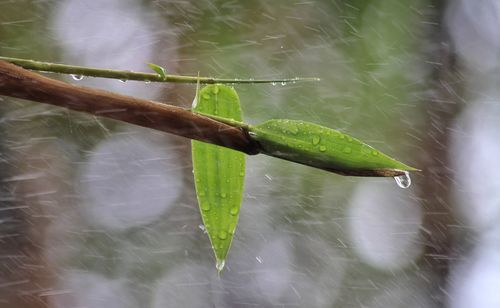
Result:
159,70
219,265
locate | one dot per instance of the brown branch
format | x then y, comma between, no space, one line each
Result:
20,83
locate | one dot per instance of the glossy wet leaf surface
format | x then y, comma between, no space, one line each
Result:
322,147
219,173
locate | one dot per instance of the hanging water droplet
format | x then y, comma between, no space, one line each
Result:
283,83
219,265
77,77
123,80
202,228
273,83
403,181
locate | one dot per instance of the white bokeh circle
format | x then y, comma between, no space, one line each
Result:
473,27
474,281
474,158
77,288
384,224
128,181
114,34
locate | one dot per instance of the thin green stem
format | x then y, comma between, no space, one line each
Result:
227,121
138,76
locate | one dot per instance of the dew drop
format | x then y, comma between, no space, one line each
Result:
294,130
375,153
201,193
223,195
403,181
205,206
77,77
222,234
234,210
283,83
273,83
206,96
316,140
219,265
215,90
347,150
322,148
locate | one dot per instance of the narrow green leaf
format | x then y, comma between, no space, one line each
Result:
159,70
322,147
219,173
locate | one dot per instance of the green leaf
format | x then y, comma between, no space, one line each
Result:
219,173
322,147
159,70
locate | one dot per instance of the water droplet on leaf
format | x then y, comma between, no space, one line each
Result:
322,148
222,234
234,210
205,206
316,140
202,228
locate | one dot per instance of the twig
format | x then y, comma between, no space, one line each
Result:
129,75
21,83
